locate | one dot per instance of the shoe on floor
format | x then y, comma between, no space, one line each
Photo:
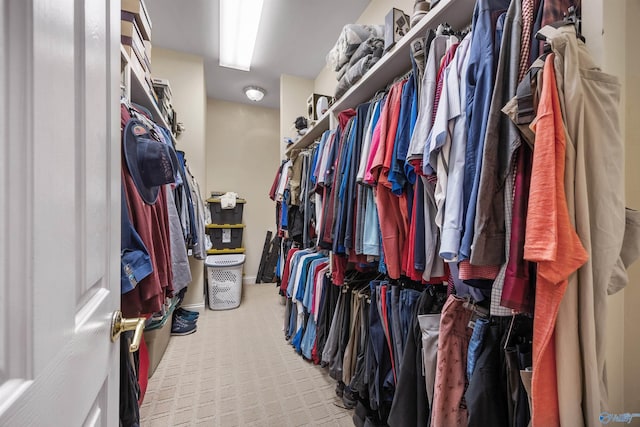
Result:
187,313
339,388
349,398
186,320
180,327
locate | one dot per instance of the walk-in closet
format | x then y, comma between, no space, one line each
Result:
366,213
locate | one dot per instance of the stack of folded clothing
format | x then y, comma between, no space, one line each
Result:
420,9
358,48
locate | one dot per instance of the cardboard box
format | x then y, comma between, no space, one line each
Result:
139,10
139,71
147,48
396,24
132,42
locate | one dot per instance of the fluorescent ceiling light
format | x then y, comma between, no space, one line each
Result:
254,93
239,21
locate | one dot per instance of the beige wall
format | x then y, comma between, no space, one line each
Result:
242,156
326,82
186,76
632,293
612,60
611,37
378,9
294,92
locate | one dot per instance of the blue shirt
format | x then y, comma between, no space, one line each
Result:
397,176
303,281
309,290
480,80
354,160
341,187
409,171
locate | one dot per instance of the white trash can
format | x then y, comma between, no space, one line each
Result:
224,276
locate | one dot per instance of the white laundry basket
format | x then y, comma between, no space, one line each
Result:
224,274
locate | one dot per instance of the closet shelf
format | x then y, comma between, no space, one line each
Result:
312,134
394,63
141,96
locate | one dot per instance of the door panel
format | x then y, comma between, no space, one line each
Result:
95,212
55,205
3,202
97,414
59,212
15,209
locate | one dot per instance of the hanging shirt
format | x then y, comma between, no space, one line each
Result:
480,79
323,163
284,180
319,288
397,176
368,137
152,224
351,198
286,273
371,236
369,178
437,149
342,204
392,210
452,217
135,261
501,141
552,242
424,120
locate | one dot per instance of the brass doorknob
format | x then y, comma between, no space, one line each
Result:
120,325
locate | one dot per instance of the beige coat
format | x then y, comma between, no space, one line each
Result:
594,182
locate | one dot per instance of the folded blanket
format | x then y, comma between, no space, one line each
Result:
342,71
351,36
372,45
355,73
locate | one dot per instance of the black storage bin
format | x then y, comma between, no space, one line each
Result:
225,236
225,216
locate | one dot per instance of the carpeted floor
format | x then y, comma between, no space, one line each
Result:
237,370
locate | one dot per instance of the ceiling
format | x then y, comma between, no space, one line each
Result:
294,38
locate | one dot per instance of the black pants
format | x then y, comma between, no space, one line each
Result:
495,396
410,403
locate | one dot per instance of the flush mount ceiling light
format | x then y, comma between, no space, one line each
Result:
254,93
239,21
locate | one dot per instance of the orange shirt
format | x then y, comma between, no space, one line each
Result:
552,242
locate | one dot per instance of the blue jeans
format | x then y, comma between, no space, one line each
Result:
394,323
408,299
475,345
377,343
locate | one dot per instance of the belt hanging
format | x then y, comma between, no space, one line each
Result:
508,338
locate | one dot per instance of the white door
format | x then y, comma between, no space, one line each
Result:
59,212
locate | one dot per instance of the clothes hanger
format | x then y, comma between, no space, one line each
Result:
508,337
464,31
444,29
571,17
405,76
